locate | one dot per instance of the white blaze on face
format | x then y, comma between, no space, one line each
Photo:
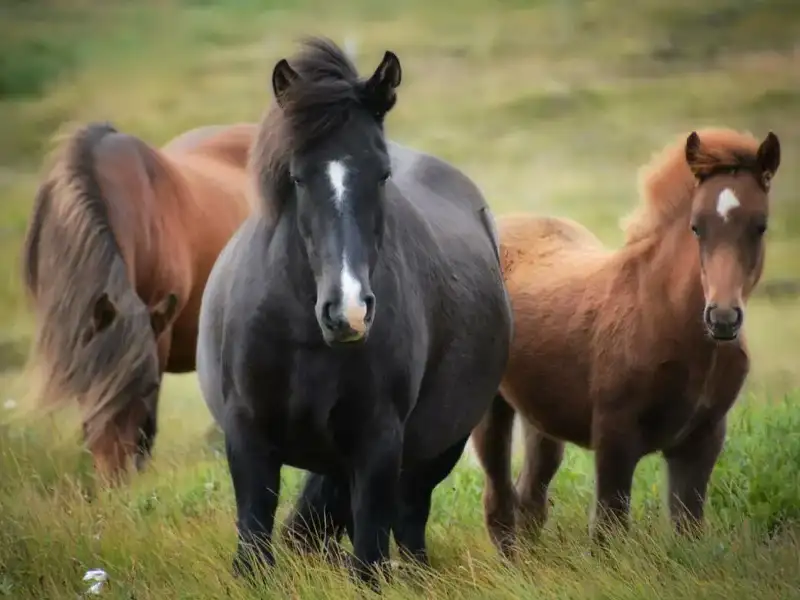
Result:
352,305
726,202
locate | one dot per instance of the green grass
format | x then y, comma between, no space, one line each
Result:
170,534
550,106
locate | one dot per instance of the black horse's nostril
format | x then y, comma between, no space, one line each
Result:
327,315
369,302
331,317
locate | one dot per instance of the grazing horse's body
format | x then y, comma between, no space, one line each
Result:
632,351
119,247
357,326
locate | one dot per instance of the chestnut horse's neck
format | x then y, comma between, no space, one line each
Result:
148,226
666,270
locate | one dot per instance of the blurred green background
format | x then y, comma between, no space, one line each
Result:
550,105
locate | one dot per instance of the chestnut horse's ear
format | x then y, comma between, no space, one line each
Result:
769,158
162,313
103,313
380,88
693,152
283,76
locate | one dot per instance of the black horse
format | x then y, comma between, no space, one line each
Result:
357,326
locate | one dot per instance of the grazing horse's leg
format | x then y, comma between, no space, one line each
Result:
321,513
616,457
373,495
414,504
255,471
543,457
689,467
492,442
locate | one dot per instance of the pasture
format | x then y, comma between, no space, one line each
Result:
550,106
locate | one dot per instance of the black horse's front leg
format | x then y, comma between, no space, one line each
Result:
374,488
255,472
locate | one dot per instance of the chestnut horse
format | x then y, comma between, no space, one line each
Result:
632,351
117,253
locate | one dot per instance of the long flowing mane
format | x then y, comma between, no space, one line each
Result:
319,103
70,256
666,183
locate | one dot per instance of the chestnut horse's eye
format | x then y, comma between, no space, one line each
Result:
696,230
760,229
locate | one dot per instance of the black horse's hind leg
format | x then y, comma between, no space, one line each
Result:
321,513
414,502
255,472
373,496
146,441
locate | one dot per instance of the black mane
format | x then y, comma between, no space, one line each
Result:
321,101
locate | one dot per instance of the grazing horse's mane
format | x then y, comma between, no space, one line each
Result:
666,183
317,104
71,220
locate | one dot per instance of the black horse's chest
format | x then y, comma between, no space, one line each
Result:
313,402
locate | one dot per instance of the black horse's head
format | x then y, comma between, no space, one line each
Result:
336,167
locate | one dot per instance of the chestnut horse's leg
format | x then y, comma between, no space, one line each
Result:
616,457
543,457
689,467
414,505
492,442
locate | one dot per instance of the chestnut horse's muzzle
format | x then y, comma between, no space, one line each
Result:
723,323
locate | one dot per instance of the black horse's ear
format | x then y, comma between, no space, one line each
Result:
693,153
283,76
380,88
162,313
769,158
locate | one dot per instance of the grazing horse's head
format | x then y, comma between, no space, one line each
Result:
335,169
730,210
122,424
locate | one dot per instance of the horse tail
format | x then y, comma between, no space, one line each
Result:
71,261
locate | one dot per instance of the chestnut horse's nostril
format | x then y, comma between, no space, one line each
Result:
708,314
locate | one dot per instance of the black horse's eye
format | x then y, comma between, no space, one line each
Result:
296,180
385,177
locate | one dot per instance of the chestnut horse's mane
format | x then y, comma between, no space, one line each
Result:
666,182
71,245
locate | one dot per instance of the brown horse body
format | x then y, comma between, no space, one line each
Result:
121,242
622,352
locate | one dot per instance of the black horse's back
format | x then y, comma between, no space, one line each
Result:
359,327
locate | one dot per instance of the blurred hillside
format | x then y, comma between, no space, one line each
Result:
550,105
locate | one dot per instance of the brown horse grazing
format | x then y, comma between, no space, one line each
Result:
117,253
632,351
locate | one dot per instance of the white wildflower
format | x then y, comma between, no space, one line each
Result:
98,577
10,404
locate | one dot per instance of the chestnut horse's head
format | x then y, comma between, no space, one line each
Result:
730,209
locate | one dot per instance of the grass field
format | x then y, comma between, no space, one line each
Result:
551,107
